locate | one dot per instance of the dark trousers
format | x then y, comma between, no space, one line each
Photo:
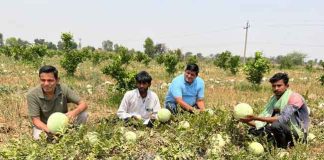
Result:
279,133
173,107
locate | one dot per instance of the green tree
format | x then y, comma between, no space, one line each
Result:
149,47
291,59
192,59
309,65
321,63
116,69
107,45
256,68
34,54
223,59
170,62
72,58
142,58
285,62
160,48
321,79
15,47
39,41
1,40
234,64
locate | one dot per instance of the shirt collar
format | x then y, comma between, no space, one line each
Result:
147,96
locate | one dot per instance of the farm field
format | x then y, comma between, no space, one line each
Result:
165,140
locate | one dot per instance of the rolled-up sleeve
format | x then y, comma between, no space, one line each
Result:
122,110
33,106
156,106
71,96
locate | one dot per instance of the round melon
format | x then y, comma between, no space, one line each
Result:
210,111
130,136
311,137
218,140
164,115
57,122
92,137
184,124
283,154
256,148
242,110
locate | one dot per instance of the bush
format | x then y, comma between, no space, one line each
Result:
170,62
256,68
142,57
222,60
234,64
34,54
160,59
192,59
71,58
226,61
321,79
125,80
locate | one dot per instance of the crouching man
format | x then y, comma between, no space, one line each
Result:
284,118
140,103
49,97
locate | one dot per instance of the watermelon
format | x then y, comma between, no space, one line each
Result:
242,110
57,122
256,148
164,115
130,136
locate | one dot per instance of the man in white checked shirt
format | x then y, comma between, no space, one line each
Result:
140,103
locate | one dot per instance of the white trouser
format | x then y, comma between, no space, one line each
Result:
81,119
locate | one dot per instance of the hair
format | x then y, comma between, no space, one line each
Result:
279,76
143,77
192,67
48,69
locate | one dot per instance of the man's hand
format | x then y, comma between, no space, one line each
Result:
71,115
248,118
137,117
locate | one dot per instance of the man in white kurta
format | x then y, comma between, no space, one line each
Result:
140,103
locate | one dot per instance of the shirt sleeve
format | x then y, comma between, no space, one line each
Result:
287,112
201,90
122,110
33,106
296,100
175,90
156,106
71,96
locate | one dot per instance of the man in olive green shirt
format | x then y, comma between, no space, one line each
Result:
50,97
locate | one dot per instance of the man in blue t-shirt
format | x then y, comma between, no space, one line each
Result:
187,91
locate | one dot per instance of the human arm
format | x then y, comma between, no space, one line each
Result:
122,110
184,105
200,96
201,104
82,106
72,97
34,111
251,118
156,107
39,124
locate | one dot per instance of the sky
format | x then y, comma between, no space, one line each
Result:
277,27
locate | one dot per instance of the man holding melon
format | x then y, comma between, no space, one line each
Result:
285,115
140,103
50,97
187,91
